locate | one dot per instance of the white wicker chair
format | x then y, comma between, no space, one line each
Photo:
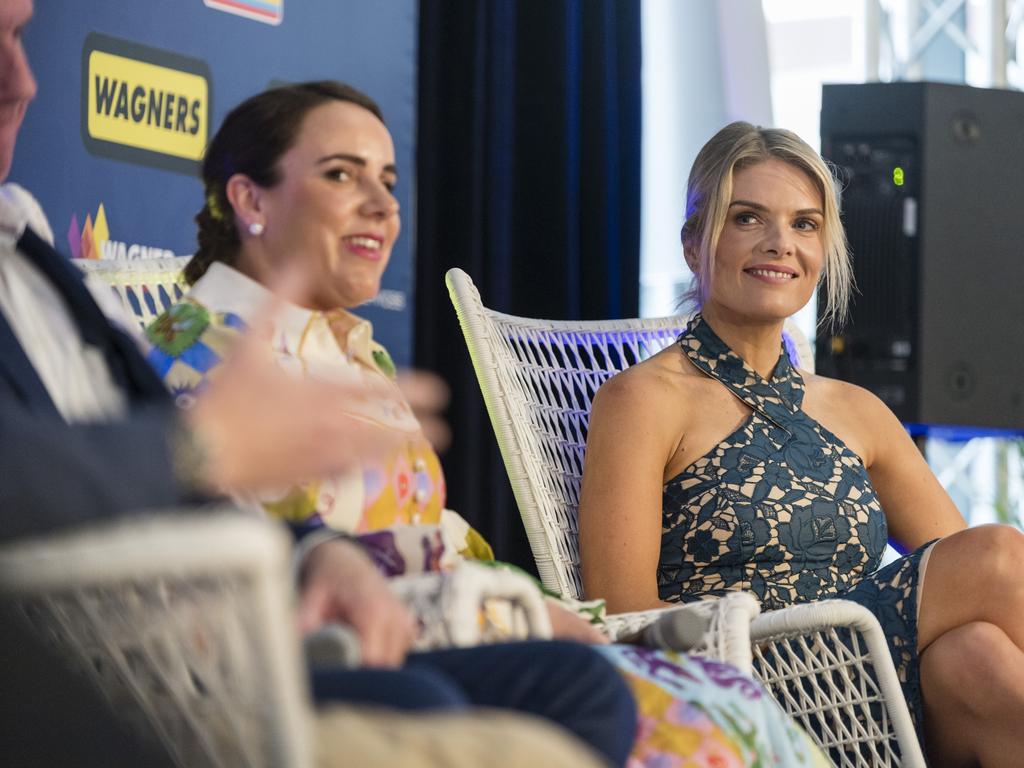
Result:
473,604
184,623
538,378
146,287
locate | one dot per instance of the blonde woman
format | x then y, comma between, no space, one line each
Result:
717,465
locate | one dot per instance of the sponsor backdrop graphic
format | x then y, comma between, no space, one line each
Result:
130,92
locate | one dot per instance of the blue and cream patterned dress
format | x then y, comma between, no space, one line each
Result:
783,509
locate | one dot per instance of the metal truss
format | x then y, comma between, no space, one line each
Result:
899,32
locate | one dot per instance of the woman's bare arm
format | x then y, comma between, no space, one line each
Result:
917,508
630,440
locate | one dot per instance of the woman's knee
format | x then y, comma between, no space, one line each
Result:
994,549
985,562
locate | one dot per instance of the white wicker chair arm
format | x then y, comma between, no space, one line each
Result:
473,604
822,680
146,287
163,267
184,622
628,626
719,629
813,616
156,545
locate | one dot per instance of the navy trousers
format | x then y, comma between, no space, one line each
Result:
563,682
566,683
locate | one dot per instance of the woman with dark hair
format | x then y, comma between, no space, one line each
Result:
277,115
302,176
298,180
284,193
717,465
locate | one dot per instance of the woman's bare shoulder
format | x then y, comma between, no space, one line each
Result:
839,394
658,380
642,411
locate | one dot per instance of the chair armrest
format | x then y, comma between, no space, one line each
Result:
183,622
829,666
473,604
469,605
717,628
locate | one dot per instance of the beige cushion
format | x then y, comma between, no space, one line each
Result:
347,736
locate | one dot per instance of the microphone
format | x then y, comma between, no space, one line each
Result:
332,645
677,631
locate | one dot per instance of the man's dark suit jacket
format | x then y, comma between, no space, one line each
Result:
54,476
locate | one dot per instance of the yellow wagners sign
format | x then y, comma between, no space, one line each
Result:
143,104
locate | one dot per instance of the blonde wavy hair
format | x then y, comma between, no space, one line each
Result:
709,190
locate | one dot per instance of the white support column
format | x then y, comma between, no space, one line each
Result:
907,64
997,34
874,29
1015,16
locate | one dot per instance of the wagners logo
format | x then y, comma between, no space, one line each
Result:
144,105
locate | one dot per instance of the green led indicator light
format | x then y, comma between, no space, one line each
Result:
897,176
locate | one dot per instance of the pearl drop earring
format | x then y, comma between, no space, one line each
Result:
256,229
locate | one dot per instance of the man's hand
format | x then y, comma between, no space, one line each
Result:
428,396
263,428
341,584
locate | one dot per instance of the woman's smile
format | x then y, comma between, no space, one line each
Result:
771,274
365,246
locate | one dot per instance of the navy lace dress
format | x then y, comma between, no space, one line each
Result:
783,509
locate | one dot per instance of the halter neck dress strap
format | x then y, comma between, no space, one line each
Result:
778,398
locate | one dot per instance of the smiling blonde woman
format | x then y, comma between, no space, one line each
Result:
717,465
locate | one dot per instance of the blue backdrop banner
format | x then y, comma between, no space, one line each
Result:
130,92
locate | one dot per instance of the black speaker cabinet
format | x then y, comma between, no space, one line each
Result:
934,210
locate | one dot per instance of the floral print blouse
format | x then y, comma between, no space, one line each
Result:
189,342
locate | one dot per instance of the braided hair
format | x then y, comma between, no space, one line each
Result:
251,140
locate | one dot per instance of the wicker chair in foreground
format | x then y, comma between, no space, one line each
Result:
184,623
827,662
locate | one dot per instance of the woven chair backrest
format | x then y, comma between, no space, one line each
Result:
146,287
539,378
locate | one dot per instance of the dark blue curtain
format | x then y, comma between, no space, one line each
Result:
528,177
